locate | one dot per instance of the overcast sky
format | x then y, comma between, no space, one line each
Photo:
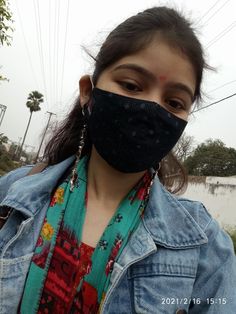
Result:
47,55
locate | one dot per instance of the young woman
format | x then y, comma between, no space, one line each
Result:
96,231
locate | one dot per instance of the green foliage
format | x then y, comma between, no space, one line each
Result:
5,23
184,147
232,234
33,101
5,162
212,158
5,27
3,138
13,149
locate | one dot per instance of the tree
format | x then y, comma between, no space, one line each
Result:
13,149
5,26
3,138
184,147
212,158
6,164
33,103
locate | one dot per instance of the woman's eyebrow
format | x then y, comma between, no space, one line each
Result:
136,68
181,87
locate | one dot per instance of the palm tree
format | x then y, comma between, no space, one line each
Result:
33,103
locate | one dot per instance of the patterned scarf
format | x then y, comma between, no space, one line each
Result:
60,244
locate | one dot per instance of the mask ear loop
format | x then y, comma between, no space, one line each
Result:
74,177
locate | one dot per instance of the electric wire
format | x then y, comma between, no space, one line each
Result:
49,50
41,52
64,52
221,34
214,103
26,46
219,87
221,7
209,10
54,54
57,52
39,40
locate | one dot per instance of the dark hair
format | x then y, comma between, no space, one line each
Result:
138,31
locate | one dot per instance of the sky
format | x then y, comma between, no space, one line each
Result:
47,54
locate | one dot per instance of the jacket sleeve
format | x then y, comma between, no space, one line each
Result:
215,284
7,180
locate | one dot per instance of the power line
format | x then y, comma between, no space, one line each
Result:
54,52
39,40
221,7
212,7
49,51
64,52
216,102
213,90
26,46
220,35
42,56
57,49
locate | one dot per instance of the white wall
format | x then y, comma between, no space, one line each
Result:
218,194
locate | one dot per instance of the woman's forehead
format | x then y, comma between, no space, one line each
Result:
158,61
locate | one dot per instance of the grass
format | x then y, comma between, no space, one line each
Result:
232,234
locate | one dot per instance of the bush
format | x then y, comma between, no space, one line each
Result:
6,164
232,234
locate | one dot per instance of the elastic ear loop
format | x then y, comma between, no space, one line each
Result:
74,177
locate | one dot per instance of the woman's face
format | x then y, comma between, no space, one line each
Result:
156,73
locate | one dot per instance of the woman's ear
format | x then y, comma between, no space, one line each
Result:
85,89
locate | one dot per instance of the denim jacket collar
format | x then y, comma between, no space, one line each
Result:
165,219
169,222
30,193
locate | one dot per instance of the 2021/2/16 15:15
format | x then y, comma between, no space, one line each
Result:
193,300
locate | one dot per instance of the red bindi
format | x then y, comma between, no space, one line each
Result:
162,78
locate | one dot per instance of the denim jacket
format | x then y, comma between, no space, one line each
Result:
177,259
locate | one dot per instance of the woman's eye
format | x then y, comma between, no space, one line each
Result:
175,104
130,86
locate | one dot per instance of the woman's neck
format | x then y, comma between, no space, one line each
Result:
106,183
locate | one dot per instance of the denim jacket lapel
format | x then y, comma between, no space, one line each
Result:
169,222
30,193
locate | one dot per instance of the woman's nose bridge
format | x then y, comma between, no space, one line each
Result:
156,95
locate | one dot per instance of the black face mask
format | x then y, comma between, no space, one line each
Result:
132,135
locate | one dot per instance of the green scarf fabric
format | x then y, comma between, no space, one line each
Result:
67,210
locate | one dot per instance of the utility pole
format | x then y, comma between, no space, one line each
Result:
49,118
2,112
